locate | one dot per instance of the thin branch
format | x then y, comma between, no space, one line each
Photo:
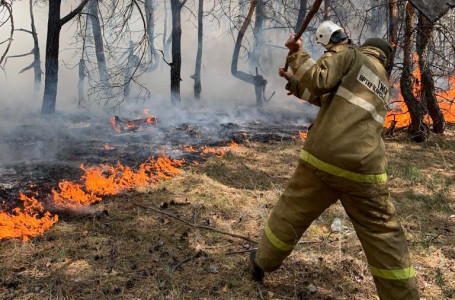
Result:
73,13
10,40
24,30
27,68
196,255
164,58
196,225
16,56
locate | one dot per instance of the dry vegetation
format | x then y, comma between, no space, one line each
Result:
135,253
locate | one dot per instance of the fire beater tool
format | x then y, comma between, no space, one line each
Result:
303,27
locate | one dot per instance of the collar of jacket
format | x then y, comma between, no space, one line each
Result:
374,52
338,47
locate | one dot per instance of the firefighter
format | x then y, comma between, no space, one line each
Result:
343,158
334,39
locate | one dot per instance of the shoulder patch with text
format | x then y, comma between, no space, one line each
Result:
369,79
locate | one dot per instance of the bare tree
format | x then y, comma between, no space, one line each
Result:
54,27
176,64
200,30
259,39
36,64
166,40
424,35
257,80
6,5
94,17
301,15
418,129
392,32
149,6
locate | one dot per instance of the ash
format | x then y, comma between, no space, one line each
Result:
37,152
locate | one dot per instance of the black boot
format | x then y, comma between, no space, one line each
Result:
256,271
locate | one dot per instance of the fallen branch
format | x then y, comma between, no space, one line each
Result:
241,252
196,225
187,260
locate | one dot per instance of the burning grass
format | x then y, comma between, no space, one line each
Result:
400,114
30,221
135,253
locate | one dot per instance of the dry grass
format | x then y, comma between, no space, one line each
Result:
132,253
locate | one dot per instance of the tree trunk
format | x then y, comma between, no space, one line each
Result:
54,26
238,44
98,39
302,14
258,81
52,51
258,32
165,44
176,65
327,10
80,84
258,51
133,63
424,35
197,72
36,52
417,128
150,22
392,33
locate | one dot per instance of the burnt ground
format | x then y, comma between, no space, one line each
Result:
137,253
36,155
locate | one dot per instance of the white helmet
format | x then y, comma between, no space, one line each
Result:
325,31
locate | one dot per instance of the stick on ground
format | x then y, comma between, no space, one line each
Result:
196,225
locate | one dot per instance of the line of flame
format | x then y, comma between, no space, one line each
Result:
98,181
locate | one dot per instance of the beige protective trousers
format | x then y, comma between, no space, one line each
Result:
309,193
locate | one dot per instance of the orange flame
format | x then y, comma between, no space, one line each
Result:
108,180
301,135
131,125
108,147
445,98
189,149
26,222
205,150
209,150
233,145
71,195
103,180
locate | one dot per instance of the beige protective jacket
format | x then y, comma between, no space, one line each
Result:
345,139
294,85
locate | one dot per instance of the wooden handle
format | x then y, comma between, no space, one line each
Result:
308,18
